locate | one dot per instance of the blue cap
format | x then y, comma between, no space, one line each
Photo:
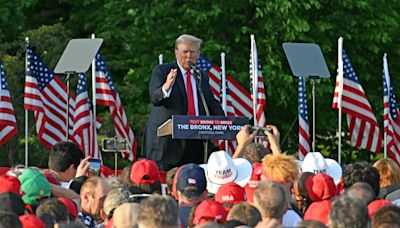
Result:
193,176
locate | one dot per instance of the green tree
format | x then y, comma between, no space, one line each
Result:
135,32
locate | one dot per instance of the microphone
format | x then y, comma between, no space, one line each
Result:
195,69
197,72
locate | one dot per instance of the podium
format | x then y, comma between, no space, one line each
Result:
202,127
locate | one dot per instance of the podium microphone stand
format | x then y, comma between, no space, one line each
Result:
76,58
197,73
307,60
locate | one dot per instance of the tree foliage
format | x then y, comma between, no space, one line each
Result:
135,32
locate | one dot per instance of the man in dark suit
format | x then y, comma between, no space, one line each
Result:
173,92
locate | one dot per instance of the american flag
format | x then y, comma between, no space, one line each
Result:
391,117
238,102
363,127
46,95
258,85
304,135
241,99
84,126
107,95
8,123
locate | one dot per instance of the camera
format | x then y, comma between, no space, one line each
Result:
114,145
94,167
260,130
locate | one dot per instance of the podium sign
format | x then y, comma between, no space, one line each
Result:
207,127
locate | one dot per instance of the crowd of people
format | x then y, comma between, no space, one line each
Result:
251,188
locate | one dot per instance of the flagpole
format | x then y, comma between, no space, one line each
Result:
254,77
223,90
26,111
94,89
313,110
340,75
223,81
67,77
386,72
160,59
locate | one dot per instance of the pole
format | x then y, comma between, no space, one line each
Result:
203,100
223,90
385,142
67,119
116,162
160,59
254,75
386,123
26,111
94,89
223,81
313,110
340,75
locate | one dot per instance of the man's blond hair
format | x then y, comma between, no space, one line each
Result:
281,168
186,38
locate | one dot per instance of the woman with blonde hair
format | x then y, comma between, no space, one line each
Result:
389,181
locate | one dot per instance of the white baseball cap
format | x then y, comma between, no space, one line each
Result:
221,169
314,162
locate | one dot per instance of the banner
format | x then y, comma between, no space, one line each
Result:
207,127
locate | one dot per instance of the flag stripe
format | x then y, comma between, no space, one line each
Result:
8,123
363,127
260,93
304,135
46,95
107,95
391,116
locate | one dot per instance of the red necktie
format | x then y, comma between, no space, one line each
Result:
189,93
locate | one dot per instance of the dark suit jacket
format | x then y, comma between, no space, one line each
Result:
166,150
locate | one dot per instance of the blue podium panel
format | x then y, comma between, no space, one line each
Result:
206,127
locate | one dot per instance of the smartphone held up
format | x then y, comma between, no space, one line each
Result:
260,131
114,145
94,167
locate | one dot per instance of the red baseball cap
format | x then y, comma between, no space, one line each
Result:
209,210
72,210
253,182
230,193
145,172
10,184
320,187
375,205
31,221
319,211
